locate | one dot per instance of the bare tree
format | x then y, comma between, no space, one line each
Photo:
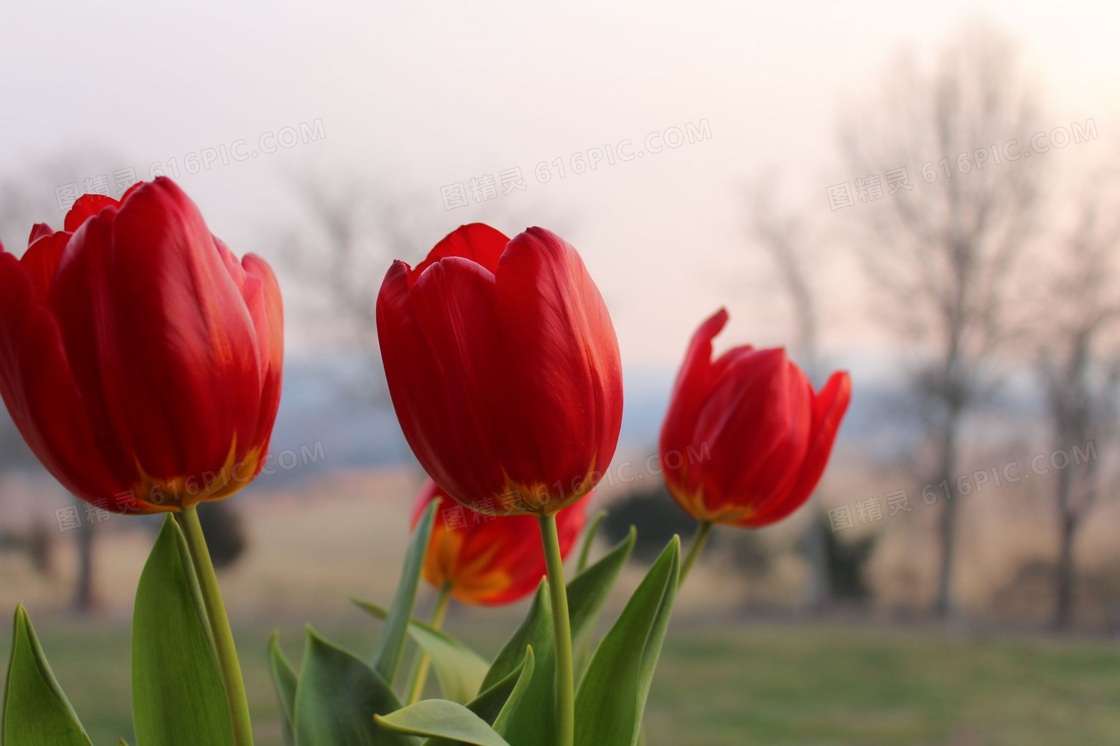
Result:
943,252
785,238
349,231
1078,361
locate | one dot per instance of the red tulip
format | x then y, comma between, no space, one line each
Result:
746,438
139,360
485,559
503,369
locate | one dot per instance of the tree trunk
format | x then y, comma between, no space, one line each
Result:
1063,590
816,552
944,602
85,599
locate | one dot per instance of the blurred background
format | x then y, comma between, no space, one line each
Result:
923,195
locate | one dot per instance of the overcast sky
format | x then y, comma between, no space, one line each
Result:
427,96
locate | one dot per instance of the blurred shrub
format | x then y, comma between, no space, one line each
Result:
746,550
652,511
847,564
36,543
39,545
225,532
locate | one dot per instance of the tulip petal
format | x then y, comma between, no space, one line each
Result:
757,424
698,359
689,389
829,407
268,319
439,351
16,295
477,242
39,230
490,560
88,332
54,423
84,208
195,332
41,261
38,387
563,369
162,344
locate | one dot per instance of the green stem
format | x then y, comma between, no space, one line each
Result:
562,626
219,626
419,675
699,540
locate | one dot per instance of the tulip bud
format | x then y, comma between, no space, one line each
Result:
503,368
746,439
137,354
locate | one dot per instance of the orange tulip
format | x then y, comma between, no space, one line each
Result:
746,439
489,560
139,359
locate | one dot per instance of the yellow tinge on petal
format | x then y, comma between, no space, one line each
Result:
537,498
728,514
182,492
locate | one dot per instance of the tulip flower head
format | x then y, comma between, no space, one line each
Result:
503,368
489,560
746,438
139,359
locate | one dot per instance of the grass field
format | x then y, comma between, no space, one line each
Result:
730,686
719,684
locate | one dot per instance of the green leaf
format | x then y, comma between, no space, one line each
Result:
284,681
533,721
36,711
521,690
177,692
387,654
534,631
588,540
337,697
586,594
439,718
489,704
612,695
588,591
459,669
